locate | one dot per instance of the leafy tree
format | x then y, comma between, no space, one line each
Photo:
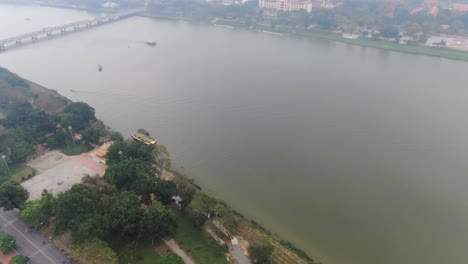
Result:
3,178
7,243
201,207
115,136
92,135
134,175
21,151
19,259
75,205
158,221
165,190
34,213
389,32
261,252
129,150
124,215
171,258
12,195
78,115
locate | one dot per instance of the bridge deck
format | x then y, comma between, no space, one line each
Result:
107,18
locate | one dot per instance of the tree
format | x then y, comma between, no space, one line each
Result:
12,195
165,190
91,135
7,243
19,259
21,151
124,215
75,205
158,221
34,213
171,258
389,32
261,253
78,115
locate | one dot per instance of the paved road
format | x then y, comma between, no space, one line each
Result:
29,243
237,253
177,250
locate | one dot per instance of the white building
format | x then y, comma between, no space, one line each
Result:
286,5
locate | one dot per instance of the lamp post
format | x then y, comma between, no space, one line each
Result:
71,134
6,164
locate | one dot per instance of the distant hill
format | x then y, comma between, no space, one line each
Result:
14,89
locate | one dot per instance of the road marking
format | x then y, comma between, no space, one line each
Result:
32,243
8,223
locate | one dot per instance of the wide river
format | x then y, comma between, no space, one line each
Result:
357,155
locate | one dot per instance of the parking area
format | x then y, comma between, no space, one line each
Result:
57,172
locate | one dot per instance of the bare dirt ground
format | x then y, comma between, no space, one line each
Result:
58,172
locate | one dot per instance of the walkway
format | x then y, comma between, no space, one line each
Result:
177,250
237,253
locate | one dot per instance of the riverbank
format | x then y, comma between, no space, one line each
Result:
327,35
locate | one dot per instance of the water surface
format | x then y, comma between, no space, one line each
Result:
356,155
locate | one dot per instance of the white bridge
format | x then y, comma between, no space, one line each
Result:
47,33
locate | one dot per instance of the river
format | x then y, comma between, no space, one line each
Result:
357,155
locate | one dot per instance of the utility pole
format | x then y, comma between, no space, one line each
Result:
6,164
71,134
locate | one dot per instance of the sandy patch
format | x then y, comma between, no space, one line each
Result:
58,172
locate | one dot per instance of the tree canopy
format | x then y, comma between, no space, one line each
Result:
7,243
12,195
19,259
261,253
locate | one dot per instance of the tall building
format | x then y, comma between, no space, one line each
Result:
286,5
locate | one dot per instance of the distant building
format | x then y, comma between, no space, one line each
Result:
110,4
460,7
286,5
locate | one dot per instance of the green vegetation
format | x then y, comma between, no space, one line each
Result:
73,150
19,259
138,254
12,195
261,252
171,258
198,243
7,243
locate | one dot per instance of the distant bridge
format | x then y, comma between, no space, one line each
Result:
47,33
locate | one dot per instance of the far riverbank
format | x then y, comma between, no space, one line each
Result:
360,41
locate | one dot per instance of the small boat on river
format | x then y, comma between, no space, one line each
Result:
151,43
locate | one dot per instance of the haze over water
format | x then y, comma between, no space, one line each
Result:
356,155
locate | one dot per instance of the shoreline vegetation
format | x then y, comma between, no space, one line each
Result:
414,49
137,175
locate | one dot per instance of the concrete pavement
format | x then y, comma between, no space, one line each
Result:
177,250
30,244
237,253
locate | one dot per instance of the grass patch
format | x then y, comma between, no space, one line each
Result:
73,150
137,253
19,172
23,174
200,245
